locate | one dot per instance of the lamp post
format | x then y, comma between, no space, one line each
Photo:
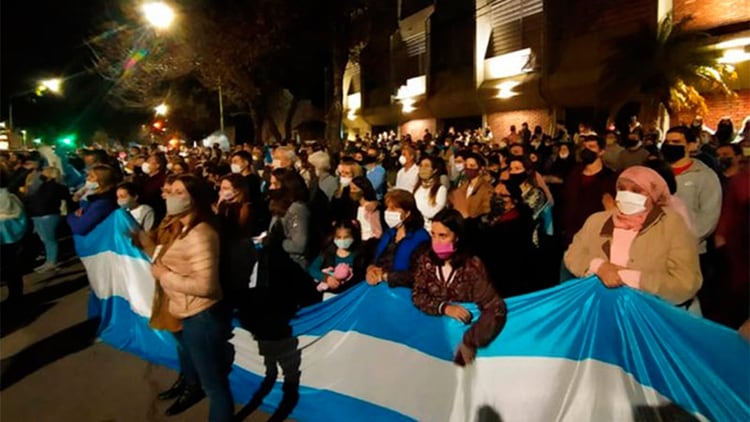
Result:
53,85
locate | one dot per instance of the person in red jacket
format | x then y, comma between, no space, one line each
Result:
447,274
732,240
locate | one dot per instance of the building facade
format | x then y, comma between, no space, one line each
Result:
499,63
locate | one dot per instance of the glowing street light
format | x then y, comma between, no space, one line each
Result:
159,14
161,109
53,85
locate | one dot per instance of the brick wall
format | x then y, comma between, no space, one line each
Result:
500,122
416,127
720,106
712,13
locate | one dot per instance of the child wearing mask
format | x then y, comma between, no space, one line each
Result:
127,199
342,263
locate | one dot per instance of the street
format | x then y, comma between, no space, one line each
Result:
53,369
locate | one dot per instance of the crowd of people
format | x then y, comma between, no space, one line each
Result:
257,232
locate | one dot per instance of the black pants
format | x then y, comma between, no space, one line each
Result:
11,270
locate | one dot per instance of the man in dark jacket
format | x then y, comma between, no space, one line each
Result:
586,188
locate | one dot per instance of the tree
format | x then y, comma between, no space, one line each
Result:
665,68
226,45
343,29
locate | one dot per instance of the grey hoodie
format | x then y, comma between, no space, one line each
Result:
699,188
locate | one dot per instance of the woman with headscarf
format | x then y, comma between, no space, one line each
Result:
642,243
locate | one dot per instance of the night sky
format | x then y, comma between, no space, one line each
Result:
45,38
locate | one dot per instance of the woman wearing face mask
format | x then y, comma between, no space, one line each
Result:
343,207
101,180
395,250
560,165
369,219
642,243
504,238
472,199
430,195
446,275
127,199
233,208
186,266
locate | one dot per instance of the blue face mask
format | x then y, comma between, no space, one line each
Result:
343,243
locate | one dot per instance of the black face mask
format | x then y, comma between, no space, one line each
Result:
43,178
588,156
673,153
725,163
517,179
630,143
495,175
497,205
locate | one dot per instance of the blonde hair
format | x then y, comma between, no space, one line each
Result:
52,173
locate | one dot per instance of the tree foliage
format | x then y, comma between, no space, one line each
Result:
663,66
252,49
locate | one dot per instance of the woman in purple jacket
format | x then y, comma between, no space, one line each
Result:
101,180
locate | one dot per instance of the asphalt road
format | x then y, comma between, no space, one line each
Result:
53,368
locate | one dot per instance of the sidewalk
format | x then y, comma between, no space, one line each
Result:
53,370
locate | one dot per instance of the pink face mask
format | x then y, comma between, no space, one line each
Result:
443,250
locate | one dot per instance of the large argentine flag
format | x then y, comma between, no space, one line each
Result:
577,352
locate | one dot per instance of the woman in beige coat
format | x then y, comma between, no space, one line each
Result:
186,265
642,243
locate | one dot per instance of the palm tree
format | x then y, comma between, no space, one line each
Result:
665,68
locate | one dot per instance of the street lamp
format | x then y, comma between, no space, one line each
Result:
53,85
159,14
161,109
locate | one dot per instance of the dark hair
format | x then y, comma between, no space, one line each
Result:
106,176
238,183
600,141
478,158
685,131
736,148
293,189
665,171
405,200
432,198
161,159
131,188
528,167
200,195
455,222
244,155
354,229
170,178
364,184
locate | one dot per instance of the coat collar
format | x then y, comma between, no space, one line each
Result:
609,226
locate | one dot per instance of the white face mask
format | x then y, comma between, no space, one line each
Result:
459,167
169,166
92,185
402,160
146,167
392,218
344,243
236,168
345,181
630,203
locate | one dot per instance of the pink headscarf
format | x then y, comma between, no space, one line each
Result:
653,186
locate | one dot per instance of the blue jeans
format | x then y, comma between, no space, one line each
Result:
206,357
46,228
